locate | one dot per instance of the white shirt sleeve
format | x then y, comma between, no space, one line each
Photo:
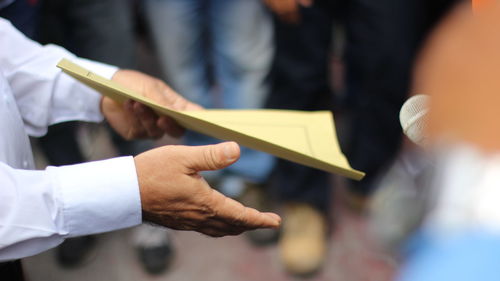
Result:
39,209
43,93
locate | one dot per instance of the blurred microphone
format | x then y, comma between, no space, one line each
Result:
413,118
404,195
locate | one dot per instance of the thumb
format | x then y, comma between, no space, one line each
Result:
214,157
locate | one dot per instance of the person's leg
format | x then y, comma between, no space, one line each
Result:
11,271
102,31
383,38
91,29
300,82
24,15
178,32
177,28
154,247
242,49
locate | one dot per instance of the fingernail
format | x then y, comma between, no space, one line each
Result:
231,151
275,217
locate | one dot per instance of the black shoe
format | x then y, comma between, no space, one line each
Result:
156,260
74,251
155,249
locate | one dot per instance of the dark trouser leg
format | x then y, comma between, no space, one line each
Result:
60,145
11,271
100,30
383,39
300,81
24,15
93,29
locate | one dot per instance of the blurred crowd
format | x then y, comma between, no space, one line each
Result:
354,57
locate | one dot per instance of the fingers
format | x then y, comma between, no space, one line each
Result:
146,123
212,157
169,125
232,218
273,215
153,125
177,102
235,214
148,120
181,199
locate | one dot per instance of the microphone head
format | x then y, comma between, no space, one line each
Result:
413,118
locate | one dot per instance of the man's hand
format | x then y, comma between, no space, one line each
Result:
173,193
133,120
288,10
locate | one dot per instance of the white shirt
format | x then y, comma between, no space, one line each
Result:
39,209
467,191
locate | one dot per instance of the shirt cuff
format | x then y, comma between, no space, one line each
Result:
86,101
98,196
105,70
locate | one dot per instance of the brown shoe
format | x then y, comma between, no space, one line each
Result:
303,239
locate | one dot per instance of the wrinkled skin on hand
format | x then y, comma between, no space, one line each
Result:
173,193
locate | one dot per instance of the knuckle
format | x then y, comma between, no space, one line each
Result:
210,158
209,207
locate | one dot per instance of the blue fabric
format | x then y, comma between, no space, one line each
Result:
217,53
469,256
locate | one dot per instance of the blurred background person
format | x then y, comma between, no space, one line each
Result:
301,81
379,79
459,237
382,40
93,30
217,53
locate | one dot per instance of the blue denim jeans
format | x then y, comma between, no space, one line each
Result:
217,53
